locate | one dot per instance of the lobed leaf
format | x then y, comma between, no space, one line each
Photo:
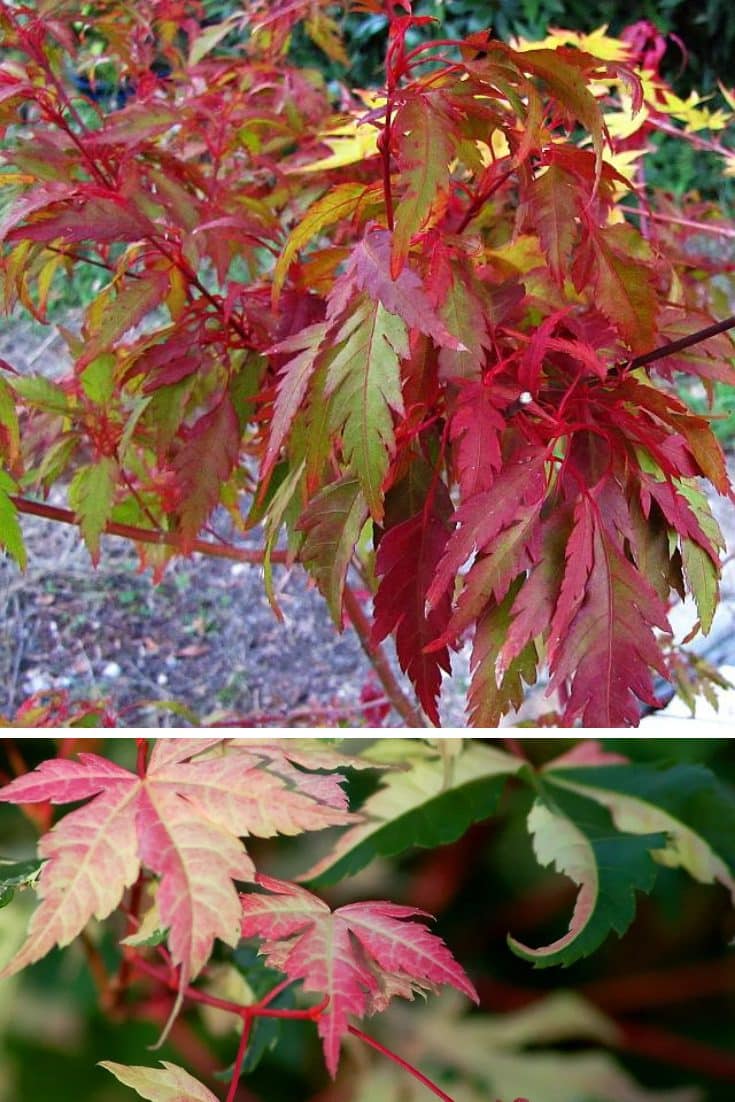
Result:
576,836
359,956
420,803
183,820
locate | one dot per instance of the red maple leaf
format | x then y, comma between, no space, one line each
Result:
359,956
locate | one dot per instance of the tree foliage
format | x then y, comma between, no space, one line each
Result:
442,320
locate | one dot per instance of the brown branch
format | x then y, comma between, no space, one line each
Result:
683,342
378,659
147,535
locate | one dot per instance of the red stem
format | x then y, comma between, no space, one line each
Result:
401,1062
247,1025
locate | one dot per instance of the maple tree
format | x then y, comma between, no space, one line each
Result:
430,330
159,854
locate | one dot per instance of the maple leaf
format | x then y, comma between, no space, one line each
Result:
624,288
364,383
601,634
332,523
474,429
578,838
609,826
182,820
686,802
203,463
11,536
91,496
294,378
553,202
426,147
463,309
495,688
112,314
359,956
167,1084
407,558
339,203
479,520
404,295
424,802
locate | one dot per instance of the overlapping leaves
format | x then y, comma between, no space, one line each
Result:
182,821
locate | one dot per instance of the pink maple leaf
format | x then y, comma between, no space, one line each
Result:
359,956
183,821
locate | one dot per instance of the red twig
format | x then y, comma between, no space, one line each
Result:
247,1025
401,1062
147,535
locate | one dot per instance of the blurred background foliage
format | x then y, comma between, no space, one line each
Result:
647,1018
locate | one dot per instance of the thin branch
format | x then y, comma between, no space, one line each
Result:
401,1062
690,224
379,661
683,342
247,1025
147,535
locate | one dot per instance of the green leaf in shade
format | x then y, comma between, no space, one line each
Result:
429,803
166,1084
16,874
577,836
687,802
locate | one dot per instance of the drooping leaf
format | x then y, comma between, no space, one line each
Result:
359,956
182,820
332,523
474,430
426,147
91,496
204,462
577,837
624,286
294,380
494,687
404,294
364,384
601,637
520,484
406,562
167,1084
110,315
687,803
553,201
419,803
